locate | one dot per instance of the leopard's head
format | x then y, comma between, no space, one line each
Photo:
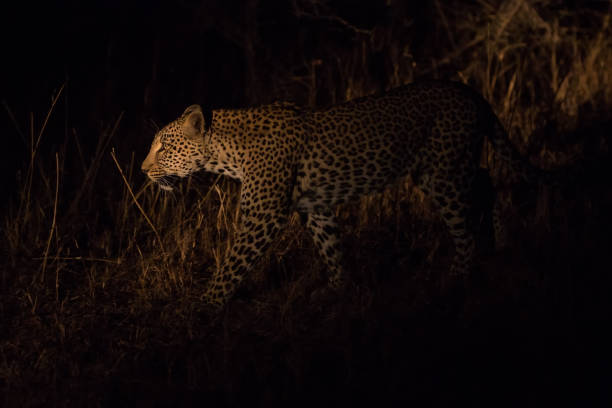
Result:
177,149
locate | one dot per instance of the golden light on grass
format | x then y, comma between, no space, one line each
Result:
142,211
130,261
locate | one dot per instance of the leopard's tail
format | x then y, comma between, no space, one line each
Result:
519,167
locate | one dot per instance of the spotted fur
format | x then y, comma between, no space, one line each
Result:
289,159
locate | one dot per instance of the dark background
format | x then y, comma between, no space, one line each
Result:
150,59
532,328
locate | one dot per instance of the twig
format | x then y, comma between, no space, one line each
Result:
33,150
44,125
449,32
91,173
44,265
12,117
475,41
161,245
83,258
333,18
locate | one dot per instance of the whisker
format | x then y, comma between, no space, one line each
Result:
165,183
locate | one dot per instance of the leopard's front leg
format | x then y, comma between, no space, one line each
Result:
262,217
227,278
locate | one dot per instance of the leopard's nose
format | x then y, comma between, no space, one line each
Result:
144,168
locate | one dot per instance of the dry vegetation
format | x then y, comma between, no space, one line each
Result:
102,271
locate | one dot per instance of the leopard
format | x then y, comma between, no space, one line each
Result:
291,159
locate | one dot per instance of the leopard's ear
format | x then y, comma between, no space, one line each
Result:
191,109
194,121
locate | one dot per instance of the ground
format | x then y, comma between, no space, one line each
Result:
528,328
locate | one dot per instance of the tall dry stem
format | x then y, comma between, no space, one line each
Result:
24,207
142,211
53,226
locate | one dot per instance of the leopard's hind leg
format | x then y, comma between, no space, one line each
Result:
323,228
451,198
448,180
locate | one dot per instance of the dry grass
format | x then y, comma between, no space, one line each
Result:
103,272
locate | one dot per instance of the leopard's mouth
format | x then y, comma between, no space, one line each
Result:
164,181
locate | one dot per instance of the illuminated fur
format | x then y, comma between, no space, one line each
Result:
289,159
